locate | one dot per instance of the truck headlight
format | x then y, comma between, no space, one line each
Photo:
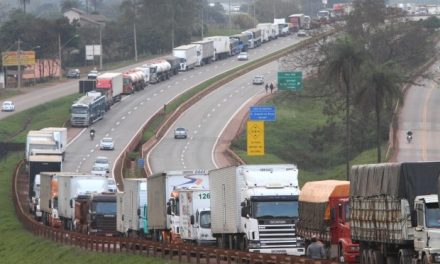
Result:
436,258
254,244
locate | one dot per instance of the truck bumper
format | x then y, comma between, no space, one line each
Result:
352,257
283,251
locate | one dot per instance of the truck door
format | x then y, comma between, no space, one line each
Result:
420,233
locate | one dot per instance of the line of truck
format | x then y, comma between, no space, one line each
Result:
104,90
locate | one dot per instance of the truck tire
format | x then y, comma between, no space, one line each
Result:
364,256
425,260
405,256
341,258
376,257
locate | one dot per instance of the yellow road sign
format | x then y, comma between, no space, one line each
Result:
255,138
10,58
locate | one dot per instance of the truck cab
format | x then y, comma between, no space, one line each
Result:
348,251
427,231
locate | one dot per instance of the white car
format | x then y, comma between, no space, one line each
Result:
8,106
99,171
243,56
103,162
258,80
93,75
301,33
180,132
107,143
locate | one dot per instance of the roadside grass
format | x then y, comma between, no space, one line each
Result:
9,92
20,246
15,127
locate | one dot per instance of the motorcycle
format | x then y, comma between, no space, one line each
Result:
409,136
92,134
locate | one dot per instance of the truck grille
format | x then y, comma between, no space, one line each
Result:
79,121
275,236
105,225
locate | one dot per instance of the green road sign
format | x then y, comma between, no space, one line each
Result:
290,81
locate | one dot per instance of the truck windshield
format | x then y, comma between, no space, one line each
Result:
432,215
275,209
79,110
205,219
104,208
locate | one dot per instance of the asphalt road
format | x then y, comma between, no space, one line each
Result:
126,118
421,115
205,122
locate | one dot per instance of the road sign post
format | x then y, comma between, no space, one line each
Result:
255,138
290,81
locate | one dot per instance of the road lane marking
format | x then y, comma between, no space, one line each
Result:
425,126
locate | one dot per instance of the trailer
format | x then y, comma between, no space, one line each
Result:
160,70
243,41
187,55
222,46
205,52
49,199
175,64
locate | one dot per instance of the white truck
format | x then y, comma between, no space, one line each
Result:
146,72
222,46
34,206
70,185
255,208
132,207
205,52
160,70
266,31
163,202
283,27
187,55
195,217
47,141
48,199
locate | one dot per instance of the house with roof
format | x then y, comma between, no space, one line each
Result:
84,19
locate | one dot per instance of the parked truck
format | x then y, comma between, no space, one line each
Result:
95,214
175,64
187,55
41,163
222,46
195,217
47,141
266,31
86,86
297,21
160,70
110,85
132,208
163,205
87,110
394,212
243,41
255,208
254,35
133,81
70,185
146,74
323,213
205,52
49,199
283,27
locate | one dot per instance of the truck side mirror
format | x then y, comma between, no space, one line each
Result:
192,219
71,203
168,210
243,211
139,212
243,204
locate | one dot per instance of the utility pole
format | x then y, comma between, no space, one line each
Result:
202,18
19,65
100,46
135,33
229,15
59,56
255,17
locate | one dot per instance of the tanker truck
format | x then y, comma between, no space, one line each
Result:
133,81
160,70
394,211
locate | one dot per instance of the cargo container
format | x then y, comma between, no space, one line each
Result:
394,212
205,52
41,163
222,46
49,199
187,55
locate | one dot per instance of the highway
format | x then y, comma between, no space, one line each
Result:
205,122
126,118
421,115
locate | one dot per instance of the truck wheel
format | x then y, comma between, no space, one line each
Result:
405,256
376,257
364,256
425,260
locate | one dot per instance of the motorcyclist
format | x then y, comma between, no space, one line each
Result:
92,133
409,136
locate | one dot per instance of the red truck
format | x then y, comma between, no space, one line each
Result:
133,81
110,85
324,213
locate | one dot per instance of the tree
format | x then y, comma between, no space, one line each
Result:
366,18
380,85
68,4
341,66
23,3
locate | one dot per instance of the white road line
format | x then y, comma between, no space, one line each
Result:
112,129
84,159
142,102
117,123
199,125
162,90
169,86
155,94
123,117
218,105
148,99
192,76
107,134
213,110
135,108
208,115
184,79
129,112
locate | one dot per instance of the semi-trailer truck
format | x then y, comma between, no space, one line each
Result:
205,52
110,85
394,212
255,208
175,64
187,55
163,202
160,70
87,110
49,199
323,213
40,163
132,208
243,41
70,185
222,46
